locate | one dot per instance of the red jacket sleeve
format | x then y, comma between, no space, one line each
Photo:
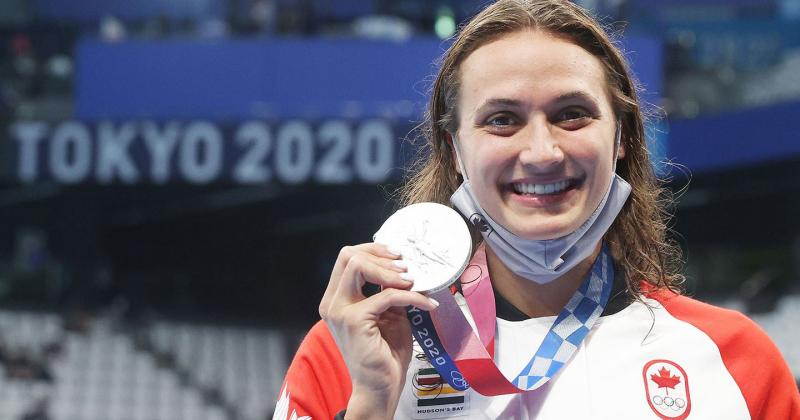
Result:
317,384
750,356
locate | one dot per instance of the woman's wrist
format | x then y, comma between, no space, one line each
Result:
370,405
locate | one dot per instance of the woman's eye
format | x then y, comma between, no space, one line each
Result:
573,118
571,114
501,121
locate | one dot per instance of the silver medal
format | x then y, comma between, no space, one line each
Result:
434,242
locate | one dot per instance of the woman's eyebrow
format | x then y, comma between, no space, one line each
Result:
498,103
491,103
577,94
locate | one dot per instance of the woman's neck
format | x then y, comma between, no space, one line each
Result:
534,299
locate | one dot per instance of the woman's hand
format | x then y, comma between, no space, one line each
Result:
372,333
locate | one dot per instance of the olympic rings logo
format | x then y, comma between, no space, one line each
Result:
458,379
674,404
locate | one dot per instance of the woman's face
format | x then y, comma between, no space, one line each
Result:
536,132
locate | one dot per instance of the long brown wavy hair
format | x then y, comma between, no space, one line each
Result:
637,238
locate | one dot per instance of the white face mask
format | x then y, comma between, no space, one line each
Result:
543,261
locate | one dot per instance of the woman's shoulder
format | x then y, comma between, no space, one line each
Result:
748,353
319,353
317,383
721,324
318,339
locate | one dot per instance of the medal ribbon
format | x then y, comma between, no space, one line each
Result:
454,350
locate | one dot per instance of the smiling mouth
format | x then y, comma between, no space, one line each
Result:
542,189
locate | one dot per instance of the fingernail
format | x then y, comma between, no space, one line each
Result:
434,302
400,264
407,276
394,250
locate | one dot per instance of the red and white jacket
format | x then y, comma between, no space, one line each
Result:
666,356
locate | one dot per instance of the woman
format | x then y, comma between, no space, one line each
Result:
536,134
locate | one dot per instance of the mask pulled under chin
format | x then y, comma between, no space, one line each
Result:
543,261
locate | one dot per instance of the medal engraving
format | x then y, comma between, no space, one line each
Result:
424,252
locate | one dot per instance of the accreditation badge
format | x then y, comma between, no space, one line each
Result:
434,242
431,396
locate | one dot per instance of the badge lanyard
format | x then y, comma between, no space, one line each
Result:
464,360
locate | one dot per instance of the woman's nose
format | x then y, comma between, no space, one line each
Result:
540,148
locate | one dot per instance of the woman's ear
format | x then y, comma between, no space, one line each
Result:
620,152
449,139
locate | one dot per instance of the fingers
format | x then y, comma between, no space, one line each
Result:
377,305
357,265
363,268
380,250
391,298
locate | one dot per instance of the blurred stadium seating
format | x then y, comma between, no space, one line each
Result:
165,370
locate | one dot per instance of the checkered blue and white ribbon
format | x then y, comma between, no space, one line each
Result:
570,327
473,358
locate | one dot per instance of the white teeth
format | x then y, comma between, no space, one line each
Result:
553,188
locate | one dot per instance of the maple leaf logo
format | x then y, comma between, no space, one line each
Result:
282,408
665,379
